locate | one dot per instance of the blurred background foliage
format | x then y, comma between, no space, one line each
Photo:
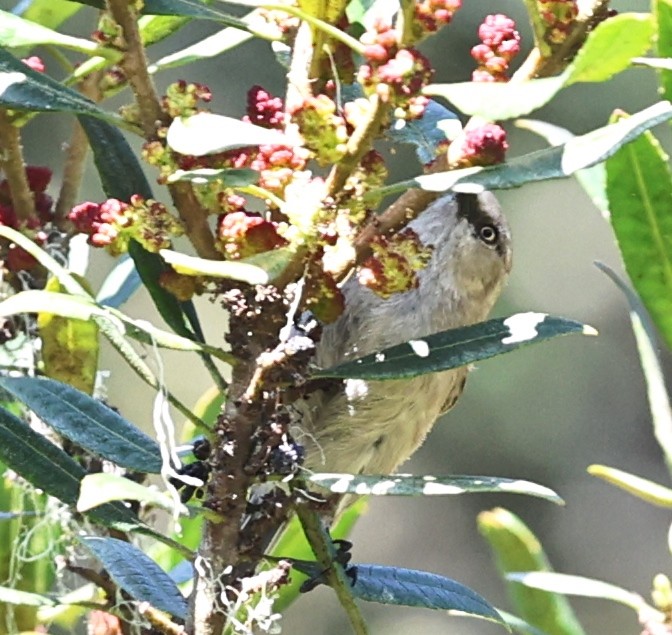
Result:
543,414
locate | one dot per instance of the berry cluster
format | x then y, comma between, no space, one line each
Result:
431,15
480,144
395,262
242,234
263,109
396,74
559,16
39,177
113,224
500,43
181,98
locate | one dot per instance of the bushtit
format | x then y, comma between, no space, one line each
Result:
371,427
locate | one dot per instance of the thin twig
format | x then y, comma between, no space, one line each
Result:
538,28
13,166
323,548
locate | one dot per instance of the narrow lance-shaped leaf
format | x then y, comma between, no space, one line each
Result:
22,88
457,347
137,574
516,548
50,13
408,587
558,162
639,188
87,422
580,586
409,485
643,488
656,389
663,42
50,469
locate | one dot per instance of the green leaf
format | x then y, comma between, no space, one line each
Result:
408,587
580,152
516,548
577,585
87,422
663,42
228,177
22,88
457,347
639,188
50,13
597,61
643,488
70,347
25,598
409,485
98,489
121,174
593,179
137,574
656,390
259,269
16,32
50,469
206,133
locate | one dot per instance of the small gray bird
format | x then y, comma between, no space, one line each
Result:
371,427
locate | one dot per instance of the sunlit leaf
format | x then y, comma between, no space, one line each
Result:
516,548
597,61
663,42
643,488
50,13
409,485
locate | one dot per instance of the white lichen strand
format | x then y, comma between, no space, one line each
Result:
522,327
419,347
439,489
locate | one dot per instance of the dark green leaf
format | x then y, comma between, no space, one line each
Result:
663,13
553,163
516,548
426,133
409,485
50,469
408,587
121,174
185,8
87,422
639,189
457,347
137,574
22,88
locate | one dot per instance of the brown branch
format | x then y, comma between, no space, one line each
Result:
134,64
13,166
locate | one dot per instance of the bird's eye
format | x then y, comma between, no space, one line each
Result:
488,234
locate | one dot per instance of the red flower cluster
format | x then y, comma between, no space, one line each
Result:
500,43
241,234
263,109
484,144
433,14
113,224
399,74
395,262
559,15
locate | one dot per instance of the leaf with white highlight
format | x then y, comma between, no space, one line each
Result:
409,485
579,586
206,133
643,488
457,347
